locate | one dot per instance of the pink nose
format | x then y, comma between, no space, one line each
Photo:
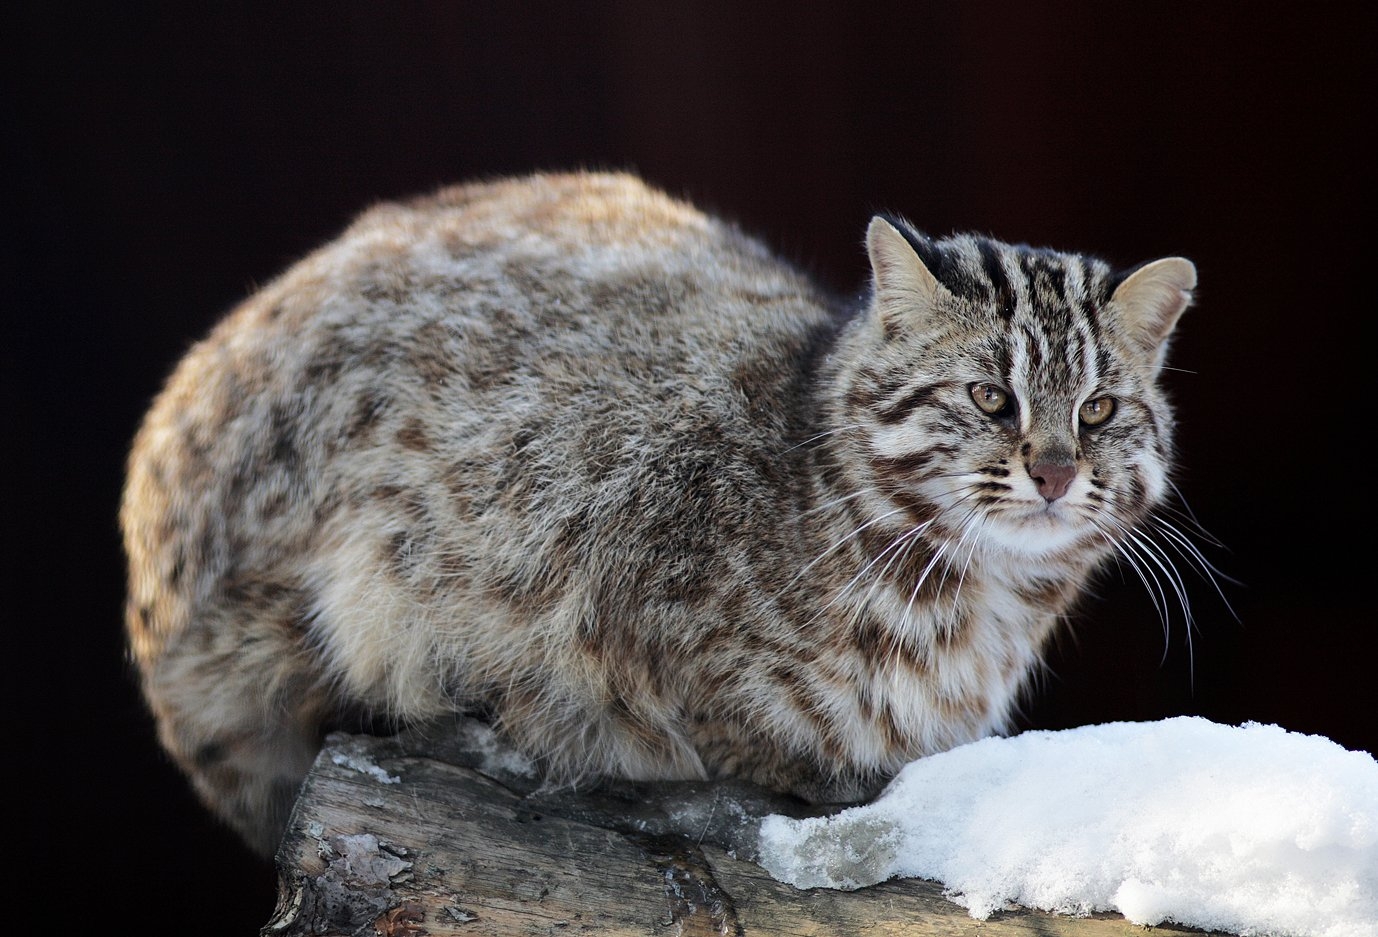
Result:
1053,478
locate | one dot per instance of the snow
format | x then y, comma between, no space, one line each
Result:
496,759
1248,829
354,757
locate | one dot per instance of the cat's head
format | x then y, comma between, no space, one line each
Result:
1008,396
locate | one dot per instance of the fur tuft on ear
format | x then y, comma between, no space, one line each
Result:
902,284
1153,298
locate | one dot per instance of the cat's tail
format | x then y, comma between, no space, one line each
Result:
240,707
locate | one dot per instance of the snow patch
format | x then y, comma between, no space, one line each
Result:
1249,829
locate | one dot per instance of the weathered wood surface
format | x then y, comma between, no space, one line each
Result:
417,835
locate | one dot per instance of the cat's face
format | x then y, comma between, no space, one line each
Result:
1018,410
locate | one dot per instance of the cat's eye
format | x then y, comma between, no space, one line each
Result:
1096,411
991,399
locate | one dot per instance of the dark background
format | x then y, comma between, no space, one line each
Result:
161,160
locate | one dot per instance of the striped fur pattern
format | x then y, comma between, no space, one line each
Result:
566,452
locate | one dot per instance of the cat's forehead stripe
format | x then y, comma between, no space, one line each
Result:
1090,353
1017,277
995,276
1056,299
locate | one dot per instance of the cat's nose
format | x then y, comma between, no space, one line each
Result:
1053,478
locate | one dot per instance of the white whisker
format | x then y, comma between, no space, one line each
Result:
1150,560
1126,550
823,435
908,539
1192,553
976,521
819,558
1156,555
939,550
836,501
912,532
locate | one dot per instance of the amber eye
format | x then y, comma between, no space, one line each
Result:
990,399
1096,410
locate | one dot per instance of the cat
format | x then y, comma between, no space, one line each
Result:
566,452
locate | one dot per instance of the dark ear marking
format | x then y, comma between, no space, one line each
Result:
927,249
922,244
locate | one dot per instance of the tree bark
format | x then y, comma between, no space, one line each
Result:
442,833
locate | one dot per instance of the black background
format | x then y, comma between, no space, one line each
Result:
163,159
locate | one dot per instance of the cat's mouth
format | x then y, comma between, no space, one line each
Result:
1052,515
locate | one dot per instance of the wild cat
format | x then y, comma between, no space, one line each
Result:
569,453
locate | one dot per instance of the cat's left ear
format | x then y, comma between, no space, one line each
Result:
1153,298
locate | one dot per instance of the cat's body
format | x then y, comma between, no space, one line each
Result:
567,452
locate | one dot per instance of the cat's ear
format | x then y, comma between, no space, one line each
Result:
1153,298
903,286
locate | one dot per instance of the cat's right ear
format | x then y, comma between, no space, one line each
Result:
903,287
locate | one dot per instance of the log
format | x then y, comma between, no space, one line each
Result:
442,832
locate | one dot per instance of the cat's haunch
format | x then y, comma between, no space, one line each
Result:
568,452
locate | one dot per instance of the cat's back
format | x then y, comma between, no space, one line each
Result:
461,373
497,287
565,248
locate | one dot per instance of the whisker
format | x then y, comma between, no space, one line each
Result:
1159,368
939,550
967,523
1192,553
1127,551
819,558
836,501
1186,546
1185,512
976,521
823,435
1155,554
912,532
1143,549
908,538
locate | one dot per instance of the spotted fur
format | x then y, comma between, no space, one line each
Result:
566,452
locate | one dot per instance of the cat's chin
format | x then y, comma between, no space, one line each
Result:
1037,533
